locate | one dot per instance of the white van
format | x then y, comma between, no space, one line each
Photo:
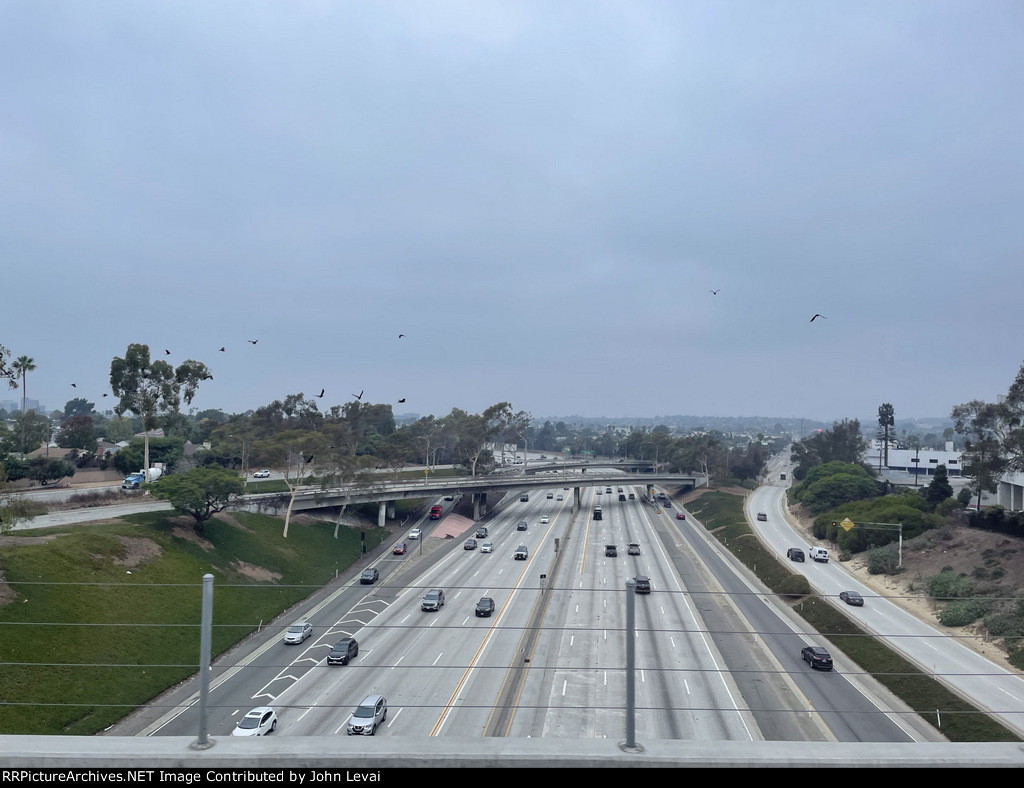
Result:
819,554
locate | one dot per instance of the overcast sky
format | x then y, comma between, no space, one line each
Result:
540,195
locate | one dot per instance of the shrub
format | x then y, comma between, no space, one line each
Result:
962,612
947,584
884,560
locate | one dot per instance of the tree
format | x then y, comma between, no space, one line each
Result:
151,389
842,443
200,492
22,366
7,372
47,469
983,457
33,428
939,489
79,406
886,423
78,432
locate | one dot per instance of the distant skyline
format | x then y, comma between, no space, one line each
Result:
624,208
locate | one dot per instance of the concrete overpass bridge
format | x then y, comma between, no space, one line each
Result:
386,493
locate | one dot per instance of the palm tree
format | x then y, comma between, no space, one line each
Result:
22,366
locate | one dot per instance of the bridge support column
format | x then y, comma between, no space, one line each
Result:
391,509
575,500
479,505
382,509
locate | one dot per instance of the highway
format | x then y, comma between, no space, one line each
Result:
550,662
959,667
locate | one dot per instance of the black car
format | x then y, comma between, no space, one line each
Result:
369,576
817,657
485,606
795,554
343,652
610,550
852,598
481,533
633,549
521,526
643,584
469,545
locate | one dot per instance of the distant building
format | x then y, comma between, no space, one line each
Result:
919,462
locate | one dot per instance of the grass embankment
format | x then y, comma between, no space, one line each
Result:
722,514
106,617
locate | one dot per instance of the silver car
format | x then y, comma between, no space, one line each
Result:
298,632
367,716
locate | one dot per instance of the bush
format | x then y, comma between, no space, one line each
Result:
947,584
962,612
884,560
795,585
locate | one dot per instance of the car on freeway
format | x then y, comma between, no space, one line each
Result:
481,533
367,716
432,600
470,544
262,474
633,549
258,722
343,652
545,520
521,526
449,497
817,657
643,584
762,517
521,553
298,632
369,576
486,547
560,498
795,554
415,533
485,606
550,496
610,550
852,598
399,549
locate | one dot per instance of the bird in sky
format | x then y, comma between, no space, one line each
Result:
222,350
253,341
359,395
167,352
104,395
402,399
714,292
74,386
321,394
207,377
817,316
401,335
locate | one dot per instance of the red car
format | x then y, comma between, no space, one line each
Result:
399,549
680,516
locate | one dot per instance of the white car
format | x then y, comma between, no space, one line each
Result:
486,547
298,632
258,722
415,533
544,520
263,474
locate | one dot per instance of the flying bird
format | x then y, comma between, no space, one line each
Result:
402,399
359,395
222,350
207,377
401,335
817,316
321,394
714,292
74,386
253,341
104,395
167,352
